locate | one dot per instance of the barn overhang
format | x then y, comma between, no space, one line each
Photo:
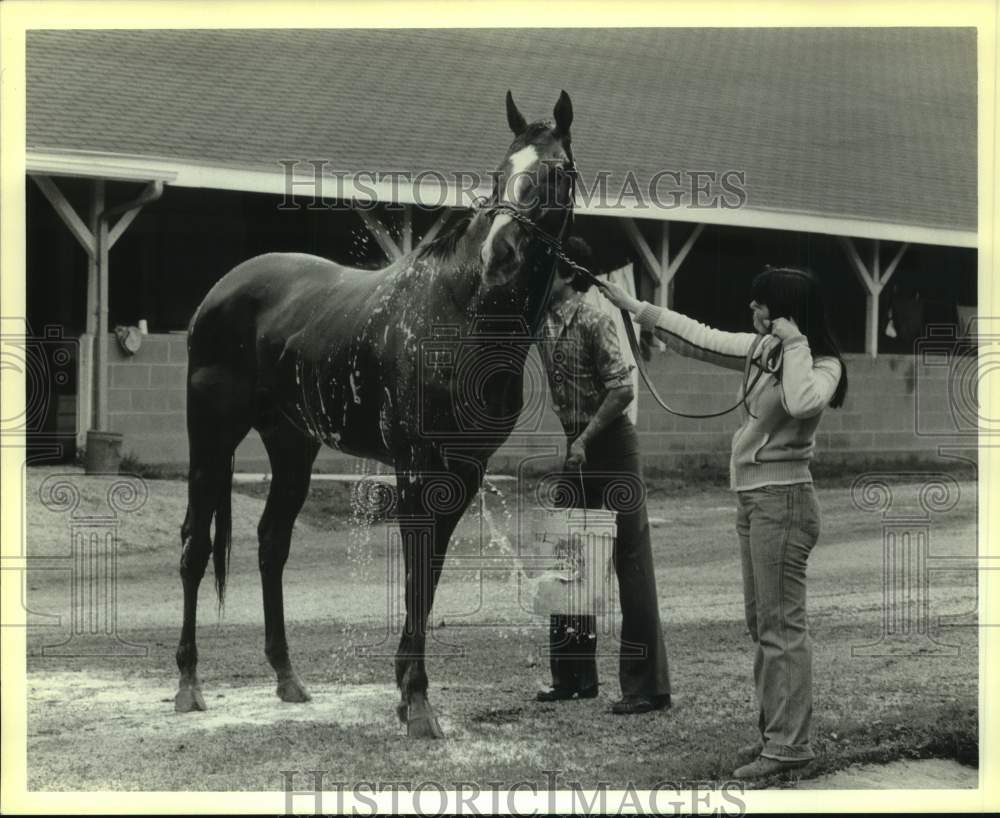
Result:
103,226
309,184
427,190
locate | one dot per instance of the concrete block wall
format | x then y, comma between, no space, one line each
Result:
147,398
899,408
879,420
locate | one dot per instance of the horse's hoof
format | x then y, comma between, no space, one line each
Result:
188,700
401,712
292,690
423,727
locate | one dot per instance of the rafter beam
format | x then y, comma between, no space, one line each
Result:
381,234
864,276
435,228
67,214
893,264
673,265
651,263
874,281
122,225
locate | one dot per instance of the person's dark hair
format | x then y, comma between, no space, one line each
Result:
788,292
578,250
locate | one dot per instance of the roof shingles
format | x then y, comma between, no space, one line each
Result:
876,124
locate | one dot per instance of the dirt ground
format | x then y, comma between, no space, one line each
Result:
106,721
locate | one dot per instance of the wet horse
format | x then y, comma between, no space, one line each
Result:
312,353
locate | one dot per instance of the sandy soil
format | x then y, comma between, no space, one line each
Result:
910,774
485,660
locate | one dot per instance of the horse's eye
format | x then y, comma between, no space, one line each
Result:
563,174
521,186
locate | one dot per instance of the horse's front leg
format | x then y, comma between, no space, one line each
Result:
430,506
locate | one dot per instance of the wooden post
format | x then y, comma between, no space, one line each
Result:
101,396
871,307
85,387
874,281
407,230
96,208
663,269
871,324
665,293
97,241
871,302
87,237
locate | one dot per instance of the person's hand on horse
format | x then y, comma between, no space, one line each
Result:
619,296
785,328
576,457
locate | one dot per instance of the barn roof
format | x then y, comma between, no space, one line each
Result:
854,131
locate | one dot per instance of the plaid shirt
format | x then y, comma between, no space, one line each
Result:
582,359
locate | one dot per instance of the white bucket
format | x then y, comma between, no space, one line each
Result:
565,556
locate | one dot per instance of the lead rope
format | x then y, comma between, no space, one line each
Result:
770,365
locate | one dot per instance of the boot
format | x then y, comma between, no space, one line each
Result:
571,659
585,654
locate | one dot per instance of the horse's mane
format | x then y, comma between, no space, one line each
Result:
445,244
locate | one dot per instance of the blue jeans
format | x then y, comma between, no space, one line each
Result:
778,527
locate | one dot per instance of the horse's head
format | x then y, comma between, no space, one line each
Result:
536,179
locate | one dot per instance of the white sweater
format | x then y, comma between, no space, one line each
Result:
775,447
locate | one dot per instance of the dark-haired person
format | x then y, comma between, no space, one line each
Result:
591,391
796,372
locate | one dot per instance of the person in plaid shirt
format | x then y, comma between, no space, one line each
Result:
591,390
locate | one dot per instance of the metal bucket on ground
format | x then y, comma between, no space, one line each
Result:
104,452
566,561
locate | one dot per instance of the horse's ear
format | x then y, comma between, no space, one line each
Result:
514,118
563,113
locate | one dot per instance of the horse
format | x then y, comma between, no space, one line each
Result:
310,352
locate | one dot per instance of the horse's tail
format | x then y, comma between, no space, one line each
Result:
222,541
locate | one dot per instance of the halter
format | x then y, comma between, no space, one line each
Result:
770,365
553,244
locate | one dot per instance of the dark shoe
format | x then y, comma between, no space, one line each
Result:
561,694
554,694
632,705
748,752
767,766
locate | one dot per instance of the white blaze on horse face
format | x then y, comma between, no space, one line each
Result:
519,163
500,221
517,177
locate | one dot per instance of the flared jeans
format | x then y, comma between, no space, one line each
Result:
778,527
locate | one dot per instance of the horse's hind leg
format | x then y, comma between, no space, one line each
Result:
292,456
196,548
213,434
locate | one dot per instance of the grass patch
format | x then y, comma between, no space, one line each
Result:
130,464
496,731
121,726
328,507
948,730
